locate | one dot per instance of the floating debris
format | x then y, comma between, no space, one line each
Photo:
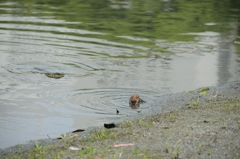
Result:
55,75
117,111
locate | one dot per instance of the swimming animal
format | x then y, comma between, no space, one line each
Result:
135,99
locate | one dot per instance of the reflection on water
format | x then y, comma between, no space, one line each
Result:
62,69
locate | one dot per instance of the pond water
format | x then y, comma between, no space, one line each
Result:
66,65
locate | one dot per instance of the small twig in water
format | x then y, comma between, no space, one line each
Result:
49,137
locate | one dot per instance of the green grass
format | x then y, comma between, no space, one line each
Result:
101,134
100,141
193,103
127,124
88,152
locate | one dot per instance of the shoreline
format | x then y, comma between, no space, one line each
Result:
172,108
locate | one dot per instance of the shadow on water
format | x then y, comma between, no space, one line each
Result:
66,65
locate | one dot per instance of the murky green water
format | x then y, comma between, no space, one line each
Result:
66,65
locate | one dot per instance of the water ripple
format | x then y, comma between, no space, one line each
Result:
103,101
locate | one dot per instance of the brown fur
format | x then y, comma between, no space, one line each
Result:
135,99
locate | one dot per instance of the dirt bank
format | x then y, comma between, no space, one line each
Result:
203,123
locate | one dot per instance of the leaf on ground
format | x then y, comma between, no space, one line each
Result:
204,89
109,126
75,135
120,145
203,93
74,148
78,130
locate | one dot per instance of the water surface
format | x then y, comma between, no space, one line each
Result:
69,65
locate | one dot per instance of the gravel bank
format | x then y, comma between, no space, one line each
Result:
203,123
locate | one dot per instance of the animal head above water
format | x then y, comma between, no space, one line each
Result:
135,99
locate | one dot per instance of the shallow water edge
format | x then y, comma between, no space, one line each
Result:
166,103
